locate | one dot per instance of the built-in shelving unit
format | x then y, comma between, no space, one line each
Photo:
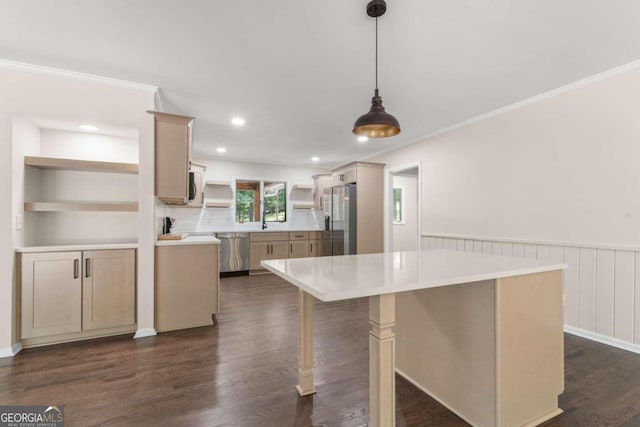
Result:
304,187
302,196
57,164
302,205
219,183
219,203
222,194
81,206
80,165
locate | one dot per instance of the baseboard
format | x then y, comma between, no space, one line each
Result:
145,332
11,351
602,339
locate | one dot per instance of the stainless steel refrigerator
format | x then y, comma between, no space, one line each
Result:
339,237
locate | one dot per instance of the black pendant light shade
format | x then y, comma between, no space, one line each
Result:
377,123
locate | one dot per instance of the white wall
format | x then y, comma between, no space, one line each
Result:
564,168
405,235
26,142
37,92
223,219
554,178
88,146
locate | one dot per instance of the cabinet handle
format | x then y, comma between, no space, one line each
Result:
311,249
271,249
291,247
299,235
87,265
76,264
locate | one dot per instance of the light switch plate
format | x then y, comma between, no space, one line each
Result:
18,222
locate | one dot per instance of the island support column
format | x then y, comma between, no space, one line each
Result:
305,344
382,352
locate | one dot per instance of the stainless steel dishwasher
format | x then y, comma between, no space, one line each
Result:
234,251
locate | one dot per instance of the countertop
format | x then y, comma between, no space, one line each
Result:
77,247
268,230
204,239
354,276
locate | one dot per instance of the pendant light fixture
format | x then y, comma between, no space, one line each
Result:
377,123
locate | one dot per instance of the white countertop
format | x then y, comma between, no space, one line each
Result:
268,230
77,247
354,276
207,239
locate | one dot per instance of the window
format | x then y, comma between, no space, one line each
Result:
398,206
249,202
275,201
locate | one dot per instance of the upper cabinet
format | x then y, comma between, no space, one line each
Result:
173,135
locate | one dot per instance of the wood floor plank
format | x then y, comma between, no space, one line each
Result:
243,372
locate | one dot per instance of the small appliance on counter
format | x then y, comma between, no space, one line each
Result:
167,223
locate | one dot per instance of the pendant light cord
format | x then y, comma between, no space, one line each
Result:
376,53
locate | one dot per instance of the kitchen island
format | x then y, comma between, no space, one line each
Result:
482,334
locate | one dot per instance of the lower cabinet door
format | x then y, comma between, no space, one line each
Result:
279,250
108,280
315,248
299,249
51,293
258,251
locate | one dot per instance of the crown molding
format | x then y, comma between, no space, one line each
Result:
502,110
75,75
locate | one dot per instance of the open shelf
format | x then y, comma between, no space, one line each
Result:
302,187
81,206
80,165
218,203
219,183
302,205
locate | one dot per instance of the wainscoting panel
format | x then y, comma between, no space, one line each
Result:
601,284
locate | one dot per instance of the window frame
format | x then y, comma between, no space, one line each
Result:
260,200
402,205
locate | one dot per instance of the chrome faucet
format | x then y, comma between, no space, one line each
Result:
264,221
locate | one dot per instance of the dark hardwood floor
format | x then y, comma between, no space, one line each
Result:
243,373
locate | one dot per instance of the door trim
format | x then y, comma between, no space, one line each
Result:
388,206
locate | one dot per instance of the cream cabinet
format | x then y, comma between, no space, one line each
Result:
298,249
66,296
173,134
108,288
281,245
187,283
51,294
264,246
315,247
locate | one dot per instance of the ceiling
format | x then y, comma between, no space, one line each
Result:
300,72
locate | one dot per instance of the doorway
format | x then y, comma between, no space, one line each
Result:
403,197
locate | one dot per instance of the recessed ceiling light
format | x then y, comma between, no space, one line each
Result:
363,138
221,150
238,121
90,128
315,159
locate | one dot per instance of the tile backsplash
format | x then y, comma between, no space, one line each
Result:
223,219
